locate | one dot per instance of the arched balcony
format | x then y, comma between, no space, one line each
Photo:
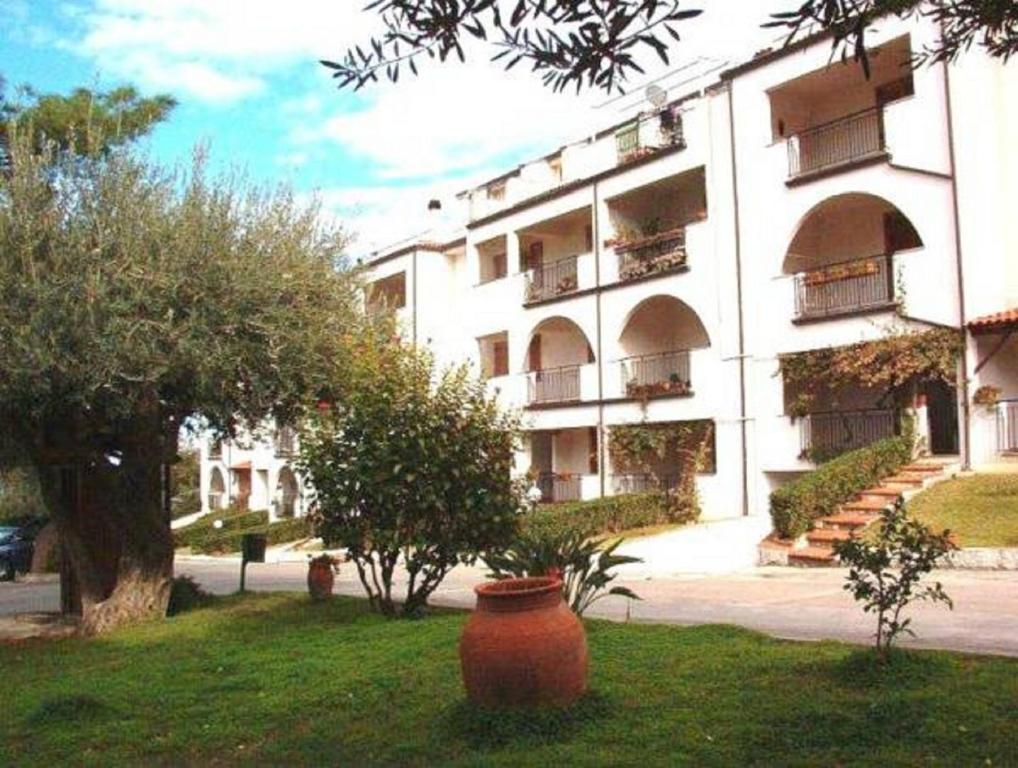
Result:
842,256
217,489
656,343
559,364
287,494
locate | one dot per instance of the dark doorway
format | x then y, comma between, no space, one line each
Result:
942,417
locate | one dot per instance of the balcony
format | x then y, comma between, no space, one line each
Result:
841,142
554,385
1007,426
549,281
557,488
663,373
846,287
647,256
649,135
824,435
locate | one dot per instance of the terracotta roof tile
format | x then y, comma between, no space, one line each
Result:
998,321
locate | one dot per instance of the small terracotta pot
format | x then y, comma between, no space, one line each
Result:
523,647
320,580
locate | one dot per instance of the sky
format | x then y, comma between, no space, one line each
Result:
248,82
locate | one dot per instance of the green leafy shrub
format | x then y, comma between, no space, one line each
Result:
795,506
613,514
414,467
584,567
884,575
186,594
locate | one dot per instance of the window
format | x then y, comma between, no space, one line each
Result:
500,266
494,355
500,365
555,165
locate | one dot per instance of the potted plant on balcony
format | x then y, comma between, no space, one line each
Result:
987,396
566,284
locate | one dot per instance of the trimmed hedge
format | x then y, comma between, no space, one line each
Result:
276,533
233,520
611,514
795,506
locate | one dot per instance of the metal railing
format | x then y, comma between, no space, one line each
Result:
651,255
642,482
547,281
554,385
285,442
1007,426
661,373
825,435
215,501
832,144
845,287
556,487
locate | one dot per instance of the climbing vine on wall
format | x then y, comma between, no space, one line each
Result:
640,446
893,364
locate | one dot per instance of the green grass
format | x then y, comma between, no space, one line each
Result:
982,510
277,680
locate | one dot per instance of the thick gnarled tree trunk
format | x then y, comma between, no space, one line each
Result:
117,539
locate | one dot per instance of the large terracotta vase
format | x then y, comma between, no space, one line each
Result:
523,646
320,580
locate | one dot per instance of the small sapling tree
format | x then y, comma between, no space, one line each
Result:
412,469
885,575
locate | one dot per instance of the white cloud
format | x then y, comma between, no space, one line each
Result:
213,50
453,118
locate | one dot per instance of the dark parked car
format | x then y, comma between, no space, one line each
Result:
17,543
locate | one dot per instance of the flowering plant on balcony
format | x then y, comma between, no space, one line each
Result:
638,266
566,284
839,272
637,153
674,385
987,395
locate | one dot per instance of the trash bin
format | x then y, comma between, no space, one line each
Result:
252,547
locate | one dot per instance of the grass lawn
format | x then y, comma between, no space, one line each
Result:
274,679
982,510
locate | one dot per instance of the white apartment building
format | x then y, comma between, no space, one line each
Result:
657,271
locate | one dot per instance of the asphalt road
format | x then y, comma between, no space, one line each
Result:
784,602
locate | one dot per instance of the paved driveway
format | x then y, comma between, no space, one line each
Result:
784,602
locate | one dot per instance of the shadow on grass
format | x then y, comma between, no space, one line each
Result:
486,729
77,708
903,670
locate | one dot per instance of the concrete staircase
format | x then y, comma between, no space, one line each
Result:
816,548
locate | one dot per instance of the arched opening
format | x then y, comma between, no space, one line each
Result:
287,493
217,489
656,342
842,254
557,350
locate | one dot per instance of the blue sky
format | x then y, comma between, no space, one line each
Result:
246,75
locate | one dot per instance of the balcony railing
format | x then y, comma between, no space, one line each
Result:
1007,426
665,373
215,501
557,487
845,287
550,280
825,435
651,255
554,385
836,143
642,482
285,442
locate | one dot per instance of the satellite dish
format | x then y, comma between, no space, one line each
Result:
656,95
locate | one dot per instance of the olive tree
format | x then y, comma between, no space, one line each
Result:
601,43
411,469
134,299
